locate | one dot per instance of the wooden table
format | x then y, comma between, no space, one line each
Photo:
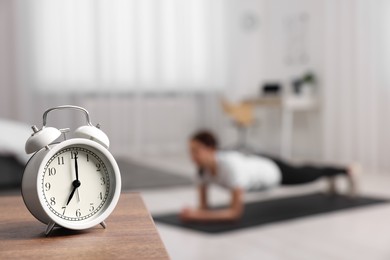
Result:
130,234
289,104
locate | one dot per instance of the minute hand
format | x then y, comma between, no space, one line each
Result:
77,175
76,167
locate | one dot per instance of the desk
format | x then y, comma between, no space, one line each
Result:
130,234
289,104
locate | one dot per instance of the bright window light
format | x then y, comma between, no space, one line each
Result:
128,45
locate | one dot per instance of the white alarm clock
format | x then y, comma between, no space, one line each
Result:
74,183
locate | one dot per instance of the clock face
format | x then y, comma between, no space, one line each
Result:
77,183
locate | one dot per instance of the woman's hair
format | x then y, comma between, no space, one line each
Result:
206,138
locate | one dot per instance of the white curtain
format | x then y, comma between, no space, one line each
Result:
356,82
108,56
127,45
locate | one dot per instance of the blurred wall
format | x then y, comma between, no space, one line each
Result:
8,102
334,45
286,44
137,123
161,123
356,82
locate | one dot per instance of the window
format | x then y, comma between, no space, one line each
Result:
128,45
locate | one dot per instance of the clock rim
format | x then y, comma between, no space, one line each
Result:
112,198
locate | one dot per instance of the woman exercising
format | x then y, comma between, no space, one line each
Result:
238,173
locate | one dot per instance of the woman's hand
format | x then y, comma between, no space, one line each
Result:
194,215
200,215
232,213
185,214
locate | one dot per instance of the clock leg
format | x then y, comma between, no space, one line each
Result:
50,227
103,224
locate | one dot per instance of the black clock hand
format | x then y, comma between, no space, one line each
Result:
76,167
77,173
71,195
75,184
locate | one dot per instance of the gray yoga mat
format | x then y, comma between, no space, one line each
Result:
277,210
11,172
136,176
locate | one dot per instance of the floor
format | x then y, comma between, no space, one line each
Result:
362,233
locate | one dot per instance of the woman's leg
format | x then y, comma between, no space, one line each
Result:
307,173
292,174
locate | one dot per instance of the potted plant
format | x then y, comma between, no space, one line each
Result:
305,84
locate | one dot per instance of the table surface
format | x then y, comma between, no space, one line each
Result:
293,101
130,234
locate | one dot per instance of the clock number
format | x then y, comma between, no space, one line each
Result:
87,157
92,208
78,213
52,171
60,160
103,181
100,196
52,201
64,208
47,186
74,154
98,166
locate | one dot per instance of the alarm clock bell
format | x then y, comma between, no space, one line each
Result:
41,138
92,133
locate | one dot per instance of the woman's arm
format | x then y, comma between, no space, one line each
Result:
203,197
232,213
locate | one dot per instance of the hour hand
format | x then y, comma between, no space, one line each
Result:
71,196
75,184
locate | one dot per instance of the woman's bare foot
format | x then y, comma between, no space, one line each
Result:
353,170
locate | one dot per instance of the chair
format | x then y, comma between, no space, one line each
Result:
243,117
